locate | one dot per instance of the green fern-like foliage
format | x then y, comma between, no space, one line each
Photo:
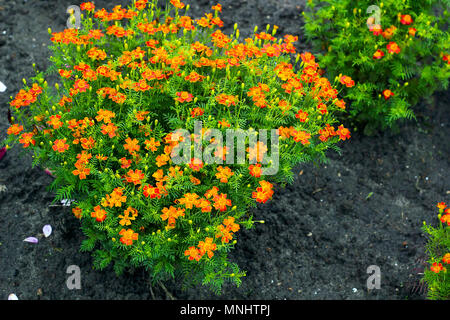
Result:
340,31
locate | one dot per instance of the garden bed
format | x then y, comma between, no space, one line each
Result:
365,207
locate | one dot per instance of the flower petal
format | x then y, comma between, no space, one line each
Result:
2,152
2,87
31,240
47,229
66,202
12,296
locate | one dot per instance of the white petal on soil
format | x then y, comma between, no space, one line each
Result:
12,296
31,240
66,202
2,87
47,230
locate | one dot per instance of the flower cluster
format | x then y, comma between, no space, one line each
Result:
438,249
130,78
397,54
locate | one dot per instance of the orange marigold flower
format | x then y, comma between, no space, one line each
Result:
445,218
230,224
60,145
204,204
263,193
184,97
26,139
194,180
196,164
343,133
257,152
131,145
193,253
217,7
224,174
65,73
194,77
347,81
125,163
224,123
116,198
406,19
177,4
96,54
135,176
446,57
126,218
219,39
152,192
109,129
387,94
302,115
151,144
378,54
221,202
446,258
301,136
140,4
171,214
255,170
15,129
412,31
81,172
393,47
376,29
441,205
77,212
81,85
87,143
226,99
437,267
189,200
389,32
224,233
197,112
140,116
128,236
99,214
162,160
83,157
105,115
212,192
55,121
207,247
87,6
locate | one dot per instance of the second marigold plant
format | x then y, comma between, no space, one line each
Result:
128,80
397,52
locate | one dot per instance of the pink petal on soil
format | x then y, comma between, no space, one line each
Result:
2,152
31,240
47,230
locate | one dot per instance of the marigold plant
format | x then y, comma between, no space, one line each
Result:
397,52
437,276
129,79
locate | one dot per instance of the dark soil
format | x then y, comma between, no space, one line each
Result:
321,232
